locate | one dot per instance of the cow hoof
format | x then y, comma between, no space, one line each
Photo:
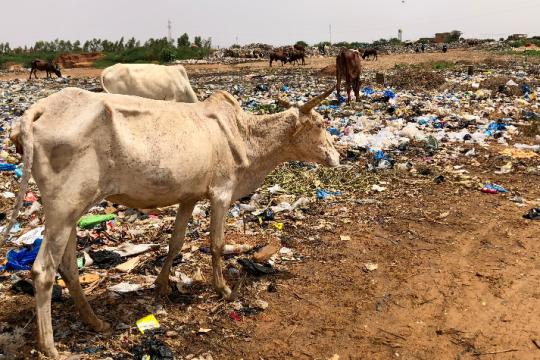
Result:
162,290
104,326
50,352
233,295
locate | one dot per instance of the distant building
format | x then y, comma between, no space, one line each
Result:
441,37
519,36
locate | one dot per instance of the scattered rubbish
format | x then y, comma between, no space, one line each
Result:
533,214
125,287
21,260
322,194
378,188
259,305
370,267
104,259
265,253
236,249
517,199
345,238
89,222
30,237
90,351
147,323
255,269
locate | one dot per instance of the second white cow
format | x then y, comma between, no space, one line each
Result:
158,82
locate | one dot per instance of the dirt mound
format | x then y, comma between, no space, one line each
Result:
416,79
529,45
16,67
328,71
67,61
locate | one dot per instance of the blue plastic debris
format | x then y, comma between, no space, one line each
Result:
20,260
368,91
341,99
333,131
496,126
525,89
390,94
7,167
321,194
285,88
19,173
498,188
380,156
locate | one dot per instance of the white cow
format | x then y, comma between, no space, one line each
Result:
82,147
150,81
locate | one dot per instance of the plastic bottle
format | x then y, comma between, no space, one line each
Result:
236,249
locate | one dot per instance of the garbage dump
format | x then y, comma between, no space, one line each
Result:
433,127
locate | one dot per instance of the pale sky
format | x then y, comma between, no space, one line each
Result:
275,22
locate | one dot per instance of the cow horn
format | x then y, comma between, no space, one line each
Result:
306,108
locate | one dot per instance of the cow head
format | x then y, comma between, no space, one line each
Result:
311,141
56,70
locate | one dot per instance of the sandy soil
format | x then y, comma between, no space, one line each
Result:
385,62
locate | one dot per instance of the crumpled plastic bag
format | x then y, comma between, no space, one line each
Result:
21,260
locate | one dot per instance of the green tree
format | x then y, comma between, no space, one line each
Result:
167,55
198,41
395,41
453,37
183,41
131,43
86,46
69,46
303,43
77,46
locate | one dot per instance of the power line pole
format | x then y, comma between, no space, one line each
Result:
170,32
237,40
330,31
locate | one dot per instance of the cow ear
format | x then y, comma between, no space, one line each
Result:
285,103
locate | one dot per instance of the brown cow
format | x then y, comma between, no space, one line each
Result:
43,65
274,56
295,56
300,48
348,64
370,52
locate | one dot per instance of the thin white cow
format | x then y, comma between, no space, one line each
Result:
82,147
149,81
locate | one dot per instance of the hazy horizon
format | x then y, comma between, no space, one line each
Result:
277,23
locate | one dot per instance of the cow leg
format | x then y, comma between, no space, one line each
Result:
175,244
338,78
356,88
220,204
31,71
348,90
70,274
58,230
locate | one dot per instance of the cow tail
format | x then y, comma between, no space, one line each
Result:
103,73
27,138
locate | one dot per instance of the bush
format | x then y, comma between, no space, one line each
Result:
168,55
303,43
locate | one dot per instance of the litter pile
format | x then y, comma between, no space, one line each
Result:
418,122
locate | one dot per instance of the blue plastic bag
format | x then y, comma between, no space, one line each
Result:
321,194
21,260
368,91
380,156
333,131
525,89
498,188
390,94
7,167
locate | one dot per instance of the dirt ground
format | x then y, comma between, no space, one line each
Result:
461,282
385,62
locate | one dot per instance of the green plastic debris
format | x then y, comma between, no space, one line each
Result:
93,220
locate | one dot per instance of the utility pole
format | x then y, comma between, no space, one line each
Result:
237,40
330,31
170,32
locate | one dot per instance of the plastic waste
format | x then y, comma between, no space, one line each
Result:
93,220
147,323
322,194
533,214
21,260
236,249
